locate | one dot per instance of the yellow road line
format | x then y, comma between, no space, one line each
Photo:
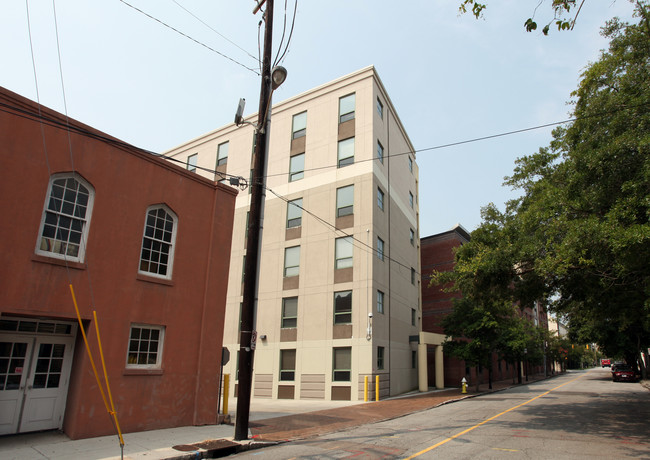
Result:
428,449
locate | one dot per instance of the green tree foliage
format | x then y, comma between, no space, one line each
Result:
564,13
579,236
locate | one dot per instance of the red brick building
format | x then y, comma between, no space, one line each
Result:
143,242
437,253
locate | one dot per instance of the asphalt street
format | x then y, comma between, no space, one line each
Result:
578,415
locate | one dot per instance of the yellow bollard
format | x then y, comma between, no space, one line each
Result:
226,387
376,388
464,383
365,389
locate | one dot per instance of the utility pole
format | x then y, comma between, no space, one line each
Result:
253,242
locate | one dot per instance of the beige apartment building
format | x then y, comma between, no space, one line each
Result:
339,277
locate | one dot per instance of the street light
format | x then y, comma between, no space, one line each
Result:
278,75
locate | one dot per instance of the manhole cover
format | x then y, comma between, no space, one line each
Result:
184,448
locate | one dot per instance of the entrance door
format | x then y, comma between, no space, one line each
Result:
34,376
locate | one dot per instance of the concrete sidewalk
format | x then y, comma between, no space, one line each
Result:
271,421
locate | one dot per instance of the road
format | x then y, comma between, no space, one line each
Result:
579,415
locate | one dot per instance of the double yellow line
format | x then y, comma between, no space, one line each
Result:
429,449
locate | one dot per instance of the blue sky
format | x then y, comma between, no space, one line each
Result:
451,78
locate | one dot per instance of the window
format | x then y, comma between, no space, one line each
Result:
222,154
414,359
287,365
243,270
292,261
191,162
299,125
412,316
380,152
411,199
66,218
380,248
158,242
410,164
145,346
346,108
345,201
380,302
289,312
412,236
342,364
380,109
380,198
346,152
343,250
343,307
380,358
412,275
294,213
296,167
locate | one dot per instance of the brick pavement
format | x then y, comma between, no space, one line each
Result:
317,423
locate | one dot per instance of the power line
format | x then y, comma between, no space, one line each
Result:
214,30
190,38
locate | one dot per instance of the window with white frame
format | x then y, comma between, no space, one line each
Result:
380,109
380,302
294,213
287,365
343,307
380,198
299,125
296,167
343,252
145,346
346,152
380,248
222,153
66,218
380,152
345,201
191,162
292,261
158,242
289,312
342,364
346,108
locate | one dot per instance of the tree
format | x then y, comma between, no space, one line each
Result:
580,232
565,13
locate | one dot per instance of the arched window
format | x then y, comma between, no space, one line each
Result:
66,218
157,253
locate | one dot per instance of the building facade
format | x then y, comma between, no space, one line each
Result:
142,243
339,275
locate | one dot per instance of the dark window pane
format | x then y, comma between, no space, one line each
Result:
39,380
53,381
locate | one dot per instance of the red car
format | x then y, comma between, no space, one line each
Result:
623,373
605,362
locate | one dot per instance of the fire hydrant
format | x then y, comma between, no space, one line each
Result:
464,382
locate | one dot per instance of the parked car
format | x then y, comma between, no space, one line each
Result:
623,373
616,364
605,362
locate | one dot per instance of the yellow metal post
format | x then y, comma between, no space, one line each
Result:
376,388
226,388
365,389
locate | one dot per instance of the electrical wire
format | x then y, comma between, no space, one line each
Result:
190,38
213,29
281,57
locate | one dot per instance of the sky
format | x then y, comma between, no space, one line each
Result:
450,77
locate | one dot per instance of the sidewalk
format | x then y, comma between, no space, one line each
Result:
271,422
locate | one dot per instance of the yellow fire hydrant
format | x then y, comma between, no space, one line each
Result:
464,382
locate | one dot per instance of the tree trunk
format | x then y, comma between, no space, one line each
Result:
490,375
478,378
519,372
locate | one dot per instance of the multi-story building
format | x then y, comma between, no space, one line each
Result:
141,242
339,275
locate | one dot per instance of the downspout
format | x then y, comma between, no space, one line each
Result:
390,246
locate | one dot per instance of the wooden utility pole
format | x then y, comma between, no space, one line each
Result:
253,242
